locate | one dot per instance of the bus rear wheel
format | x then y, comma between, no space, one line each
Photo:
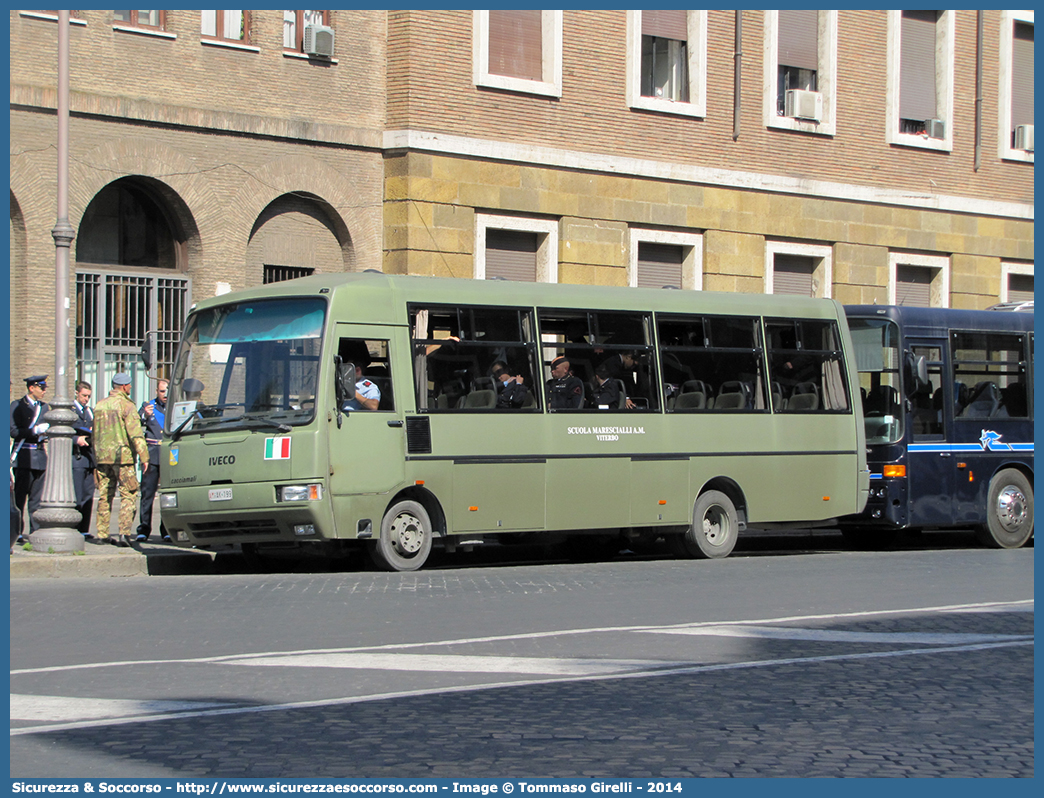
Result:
714,530
1009,511
405,541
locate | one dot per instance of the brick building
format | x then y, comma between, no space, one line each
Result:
872,156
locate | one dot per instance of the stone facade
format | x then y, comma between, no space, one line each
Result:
389,155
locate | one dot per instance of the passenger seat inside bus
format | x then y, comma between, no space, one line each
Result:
733,395
805,396
481,399
693,396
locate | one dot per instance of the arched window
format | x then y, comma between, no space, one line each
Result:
125,226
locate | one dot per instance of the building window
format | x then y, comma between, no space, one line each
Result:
518,249
141,19
661,258
294,23
920,79
800,58
919,280
124,225
277,274
227,26
1016,282
519,51
667,61
796,268
1016,86
114,311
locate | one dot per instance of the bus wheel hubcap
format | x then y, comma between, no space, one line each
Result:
1011,509
407,534
715,526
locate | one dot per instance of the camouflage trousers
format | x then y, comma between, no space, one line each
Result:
109,479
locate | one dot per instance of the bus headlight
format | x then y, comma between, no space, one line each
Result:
299,493
168,501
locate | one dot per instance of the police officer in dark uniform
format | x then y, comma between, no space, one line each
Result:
28,457
83,457
153,418
564,391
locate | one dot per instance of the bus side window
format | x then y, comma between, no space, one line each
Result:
927,416
711,363
990,373
806,367
373,372
457,350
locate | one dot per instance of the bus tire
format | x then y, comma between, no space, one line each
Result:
714,529
1009,511
405,541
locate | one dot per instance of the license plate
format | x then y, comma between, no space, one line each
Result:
220,494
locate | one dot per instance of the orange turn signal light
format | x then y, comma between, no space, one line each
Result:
895,471
473,509
663,501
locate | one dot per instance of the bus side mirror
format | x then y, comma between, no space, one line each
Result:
147,348
917,374
345,381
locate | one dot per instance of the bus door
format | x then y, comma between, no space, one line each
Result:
367,445
930,461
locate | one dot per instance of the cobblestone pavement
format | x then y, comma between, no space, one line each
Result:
710,688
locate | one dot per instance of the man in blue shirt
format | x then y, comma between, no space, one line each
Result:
153,418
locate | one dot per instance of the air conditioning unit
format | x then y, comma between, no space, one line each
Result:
935,128
319,40
1024,137
803,104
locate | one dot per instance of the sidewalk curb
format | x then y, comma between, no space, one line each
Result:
128,562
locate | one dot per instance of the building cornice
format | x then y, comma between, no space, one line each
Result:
133,109
424,141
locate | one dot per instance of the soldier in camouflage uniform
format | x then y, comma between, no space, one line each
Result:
118,437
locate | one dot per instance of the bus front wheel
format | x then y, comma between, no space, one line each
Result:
1009,511
714,530
405,541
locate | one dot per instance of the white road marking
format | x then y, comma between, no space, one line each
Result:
453,663
67,708
839,636
978,607
729,666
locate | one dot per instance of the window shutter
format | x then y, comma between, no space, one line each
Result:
1022,75
512,255
1020,287
917,65
913,286
792,274
799,39
666,24
659,265
515,44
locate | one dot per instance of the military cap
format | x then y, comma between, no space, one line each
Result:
38,379
192,385
121,379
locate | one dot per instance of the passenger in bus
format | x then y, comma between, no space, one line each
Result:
367,394
606,394
511,391
564,391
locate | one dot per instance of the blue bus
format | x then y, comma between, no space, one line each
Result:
948,406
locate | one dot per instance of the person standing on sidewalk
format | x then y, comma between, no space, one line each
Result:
118,439
28,458
83,457
153,418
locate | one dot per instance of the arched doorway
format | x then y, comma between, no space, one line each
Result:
131,252
297,235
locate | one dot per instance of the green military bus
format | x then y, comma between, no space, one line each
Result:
402,412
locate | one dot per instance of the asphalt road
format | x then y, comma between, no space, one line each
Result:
776,662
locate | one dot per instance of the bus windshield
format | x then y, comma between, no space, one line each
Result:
248,365
877,354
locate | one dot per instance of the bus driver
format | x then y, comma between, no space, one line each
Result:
367,395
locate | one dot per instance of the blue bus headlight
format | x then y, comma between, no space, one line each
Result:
168,501
299,493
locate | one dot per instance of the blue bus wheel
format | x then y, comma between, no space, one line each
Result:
1009,511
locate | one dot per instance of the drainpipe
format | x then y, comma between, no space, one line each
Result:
738,58
978,90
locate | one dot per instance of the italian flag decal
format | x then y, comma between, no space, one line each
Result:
277,448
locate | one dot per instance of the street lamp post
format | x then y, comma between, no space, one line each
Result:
57,516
